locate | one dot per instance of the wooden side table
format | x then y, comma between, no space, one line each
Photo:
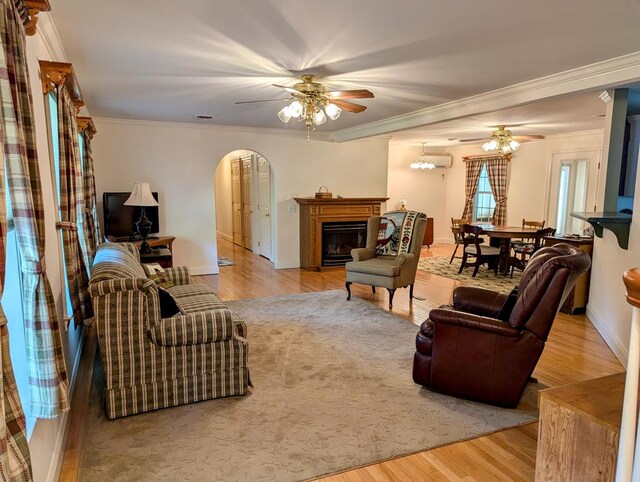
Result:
428,233
577,300
162,256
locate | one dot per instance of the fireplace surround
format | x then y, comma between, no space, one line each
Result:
314,213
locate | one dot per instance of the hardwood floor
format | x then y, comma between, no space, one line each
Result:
574,352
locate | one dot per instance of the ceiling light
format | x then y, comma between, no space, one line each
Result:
296,109
285,114
422,162
502,141
318,116
333,111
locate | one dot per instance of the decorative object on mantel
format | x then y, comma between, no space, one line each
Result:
141,196
323,195
312,102
402,204
422,162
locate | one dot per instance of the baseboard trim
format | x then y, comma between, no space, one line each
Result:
71,449
225,236
63,430
619,350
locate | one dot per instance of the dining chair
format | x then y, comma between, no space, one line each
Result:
456,223
527,224
473,248
527,250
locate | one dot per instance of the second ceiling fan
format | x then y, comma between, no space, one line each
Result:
502,140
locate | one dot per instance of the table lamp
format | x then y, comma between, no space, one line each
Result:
141,196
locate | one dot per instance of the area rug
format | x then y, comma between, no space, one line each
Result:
333,390
484,279
222,261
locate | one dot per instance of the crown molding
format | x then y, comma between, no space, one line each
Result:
611,72
297,134
51,39
590,132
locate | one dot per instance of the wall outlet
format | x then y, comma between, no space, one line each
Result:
292,209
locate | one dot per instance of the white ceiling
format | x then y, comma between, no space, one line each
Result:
168,60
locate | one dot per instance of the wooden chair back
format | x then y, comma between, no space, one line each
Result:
456,224
471,236
528,224
539,239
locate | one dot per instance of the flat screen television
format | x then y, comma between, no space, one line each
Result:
120,220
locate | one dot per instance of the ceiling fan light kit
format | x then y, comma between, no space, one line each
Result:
502,141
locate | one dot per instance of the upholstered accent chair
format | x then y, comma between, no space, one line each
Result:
391,269
486,345
155,360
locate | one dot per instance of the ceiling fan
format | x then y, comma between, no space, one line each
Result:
502,140
312,102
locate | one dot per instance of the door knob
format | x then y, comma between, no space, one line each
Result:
267,215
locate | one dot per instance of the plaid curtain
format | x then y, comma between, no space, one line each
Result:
474,166
498,170
71,205
91,227
20,171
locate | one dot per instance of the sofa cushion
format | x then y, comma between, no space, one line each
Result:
376,266
195,297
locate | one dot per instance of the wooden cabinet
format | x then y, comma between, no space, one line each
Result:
314,212
428,233
577,300
579,430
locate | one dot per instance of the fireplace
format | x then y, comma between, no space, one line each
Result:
339,238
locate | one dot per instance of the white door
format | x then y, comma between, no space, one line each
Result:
572,188
236,201
247,202
264,207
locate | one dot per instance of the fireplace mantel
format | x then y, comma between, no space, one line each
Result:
314,212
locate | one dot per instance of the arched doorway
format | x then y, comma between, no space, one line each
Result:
244,202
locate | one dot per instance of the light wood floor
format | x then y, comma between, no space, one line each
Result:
574,352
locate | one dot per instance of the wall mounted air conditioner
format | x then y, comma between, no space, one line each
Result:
439,161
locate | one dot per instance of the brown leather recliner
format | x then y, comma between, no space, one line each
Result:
468,351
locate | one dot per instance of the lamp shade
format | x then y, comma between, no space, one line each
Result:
141,196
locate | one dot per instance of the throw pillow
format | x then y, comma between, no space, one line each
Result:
507,307
161,279
168,305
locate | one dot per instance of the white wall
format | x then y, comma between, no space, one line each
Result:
424,190
48,435
179,160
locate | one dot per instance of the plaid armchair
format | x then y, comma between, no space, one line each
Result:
152,362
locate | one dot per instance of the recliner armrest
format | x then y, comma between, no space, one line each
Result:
363,254
193,328
478,301
474,322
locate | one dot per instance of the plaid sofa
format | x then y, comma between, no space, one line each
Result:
151,362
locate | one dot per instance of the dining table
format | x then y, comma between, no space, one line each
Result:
501,237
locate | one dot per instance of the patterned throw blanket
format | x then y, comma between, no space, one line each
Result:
396,232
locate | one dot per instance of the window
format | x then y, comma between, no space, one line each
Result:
13,310
484,202
54,137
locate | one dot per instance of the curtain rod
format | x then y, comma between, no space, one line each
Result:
485,156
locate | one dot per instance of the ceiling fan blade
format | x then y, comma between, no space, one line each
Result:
351,94
532,137
349,106
265,100
288,89
473,140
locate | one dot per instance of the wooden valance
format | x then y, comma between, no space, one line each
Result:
486,157
55,74
86,124
35,7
